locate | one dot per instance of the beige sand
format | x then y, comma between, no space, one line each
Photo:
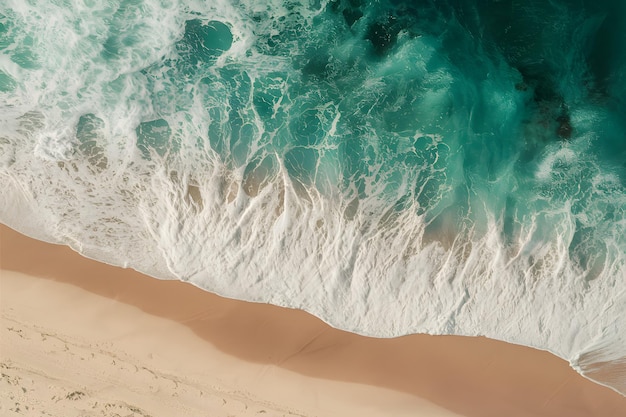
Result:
79,338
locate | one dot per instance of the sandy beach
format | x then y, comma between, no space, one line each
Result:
80,338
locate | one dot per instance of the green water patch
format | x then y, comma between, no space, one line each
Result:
155,136
301,164
383,34
242,135
7,83
131,33
24,53
125,30
215,131
307,129
270,100
204,42
6,30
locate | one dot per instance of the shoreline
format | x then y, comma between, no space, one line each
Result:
435,375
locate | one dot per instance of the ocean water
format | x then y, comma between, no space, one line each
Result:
448,167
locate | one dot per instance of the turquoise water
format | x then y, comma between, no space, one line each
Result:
440,147
457,111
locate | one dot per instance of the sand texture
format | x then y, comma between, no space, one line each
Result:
79,338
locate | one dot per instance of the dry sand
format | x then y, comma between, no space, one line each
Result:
79,338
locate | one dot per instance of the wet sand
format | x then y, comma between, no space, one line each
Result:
110,336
